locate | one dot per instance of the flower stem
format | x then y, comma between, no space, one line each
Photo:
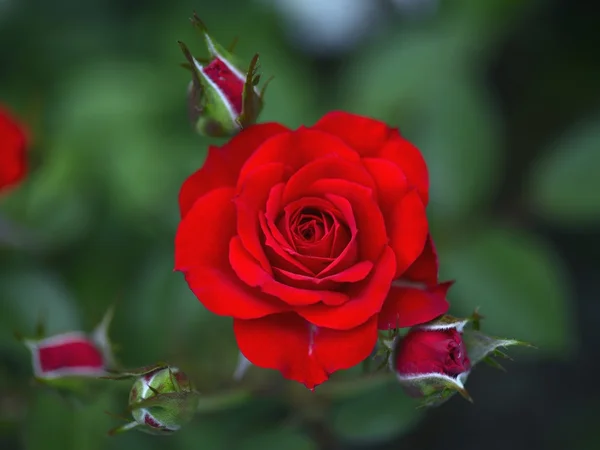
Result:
223,400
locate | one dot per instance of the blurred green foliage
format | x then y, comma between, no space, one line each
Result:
99,84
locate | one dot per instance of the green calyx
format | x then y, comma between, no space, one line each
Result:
162,399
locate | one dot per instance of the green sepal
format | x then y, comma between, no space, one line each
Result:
135,373
214,48
161,393
445,322
481,347
435,389
251,100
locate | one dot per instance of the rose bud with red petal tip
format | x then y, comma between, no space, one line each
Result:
431,360
161,400
73,354
13,150
434,360
312,240
223,99
66,355
71,363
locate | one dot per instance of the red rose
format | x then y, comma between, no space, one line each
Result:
432,352
311,240
13,145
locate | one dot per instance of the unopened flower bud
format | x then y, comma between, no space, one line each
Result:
431,361
223,98
161,401
434,360
68,354
70,361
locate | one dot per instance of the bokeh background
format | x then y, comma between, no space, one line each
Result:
503,98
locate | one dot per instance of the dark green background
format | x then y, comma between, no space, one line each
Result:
502,96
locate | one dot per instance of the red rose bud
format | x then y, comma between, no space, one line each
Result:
432,361
69,354
222,98
13,151
161,401
72,363
73,354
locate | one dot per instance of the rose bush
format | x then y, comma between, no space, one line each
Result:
13,146
311,240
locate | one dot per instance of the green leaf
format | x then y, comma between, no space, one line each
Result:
390,82
518,283
449,117
29,296
460,140
374,417
491,20
52,205
564,185
480,346
282,437
52,420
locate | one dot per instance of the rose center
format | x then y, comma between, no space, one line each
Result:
310,225
315,233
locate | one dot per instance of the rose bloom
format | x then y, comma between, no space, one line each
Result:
13,146
311,240
432,352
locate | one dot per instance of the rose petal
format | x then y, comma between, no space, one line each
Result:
273,215
353,274
250,200
408,305
408,230
300,351
363,134
13,150
201,252
279,245
425,268
366,298
212,217
297,149
321,248
222,165
223,294
229,84
253,275
280,255
322,168
390,182
345,251
369,219
408,157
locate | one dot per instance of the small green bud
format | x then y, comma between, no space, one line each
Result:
161,401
